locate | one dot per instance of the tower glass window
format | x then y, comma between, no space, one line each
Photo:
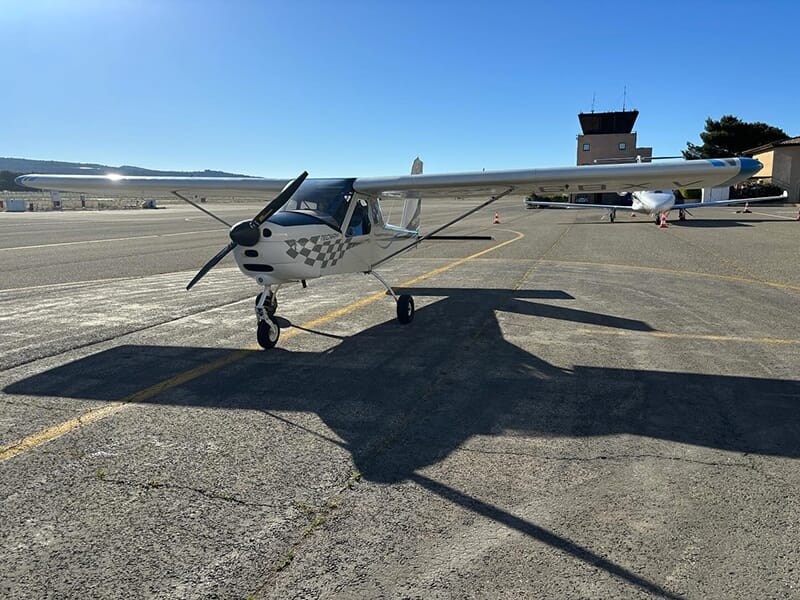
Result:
622,146
586,147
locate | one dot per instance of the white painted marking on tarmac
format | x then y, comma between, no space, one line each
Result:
122,239
71,284
774,215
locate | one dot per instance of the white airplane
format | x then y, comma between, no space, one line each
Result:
656,204
318,227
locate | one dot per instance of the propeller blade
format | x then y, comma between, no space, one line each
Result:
211,264
246,233
281,199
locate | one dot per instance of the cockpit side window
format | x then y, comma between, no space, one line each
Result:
359,222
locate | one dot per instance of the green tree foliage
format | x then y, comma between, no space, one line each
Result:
731,136
7,182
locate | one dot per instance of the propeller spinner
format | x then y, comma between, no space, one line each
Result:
247,233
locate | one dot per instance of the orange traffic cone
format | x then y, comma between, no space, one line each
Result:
663,224
633,214
496,218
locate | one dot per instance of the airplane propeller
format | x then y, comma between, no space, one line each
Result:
246,233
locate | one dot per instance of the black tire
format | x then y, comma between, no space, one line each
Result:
264,332
612,216
405,309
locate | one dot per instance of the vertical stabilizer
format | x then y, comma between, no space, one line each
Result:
411,207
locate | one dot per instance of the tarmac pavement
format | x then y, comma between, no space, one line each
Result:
580,409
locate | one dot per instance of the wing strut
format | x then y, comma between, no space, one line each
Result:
445,226
198,207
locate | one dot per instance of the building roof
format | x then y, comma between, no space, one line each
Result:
608,122
795,141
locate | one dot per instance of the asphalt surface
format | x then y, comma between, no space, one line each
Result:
579,410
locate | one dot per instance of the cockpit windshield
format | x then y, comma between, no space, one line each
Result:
324,199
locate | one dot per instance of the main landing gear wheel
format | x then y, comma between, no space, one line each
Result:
681,215
612,216
268,333
405,309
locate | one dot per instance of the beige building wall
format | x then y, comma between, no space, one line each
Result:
786,170
766,160
605,146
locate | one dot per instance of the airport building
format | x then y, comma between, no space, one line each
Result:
608,137
781,162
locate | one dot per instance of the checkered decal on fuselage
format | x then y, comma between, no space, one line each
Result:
320,249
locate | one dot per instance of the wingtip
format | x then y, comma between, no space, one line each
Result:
750,166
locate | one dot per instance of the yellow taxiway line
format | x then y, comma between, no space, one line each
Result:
92,416
782,286
691,336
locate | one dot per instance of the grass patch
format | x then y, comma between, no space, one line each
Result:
287,560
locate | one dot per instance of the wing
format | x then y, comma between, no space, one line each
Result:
117,185
579,205
730,202
565,180
560,180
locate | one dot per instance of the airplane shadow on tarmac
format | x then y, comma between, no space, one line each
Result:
723,223
404,397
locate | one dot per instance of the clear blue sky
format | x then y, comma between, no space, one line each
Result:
351,87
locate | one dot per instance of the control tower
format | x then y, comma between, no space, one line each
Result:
608,137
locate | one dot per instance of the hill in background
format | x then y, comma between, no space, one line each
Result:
26,165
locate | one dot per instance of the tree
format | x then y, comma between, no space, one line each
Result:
730,137
7,182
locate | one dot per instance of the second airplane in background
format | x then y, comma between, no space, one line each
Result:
656,204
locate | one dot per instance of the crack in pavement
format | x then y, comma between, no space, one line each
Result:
155,484
616,457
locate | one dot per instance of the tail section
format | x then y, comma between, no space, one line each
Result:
412,206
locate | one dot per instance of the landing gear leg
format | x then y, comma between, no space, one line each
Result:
268,330
612,216
681,215
270,300
405,303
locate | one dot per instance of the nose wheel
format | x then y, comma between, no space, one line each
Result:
268,333
268,330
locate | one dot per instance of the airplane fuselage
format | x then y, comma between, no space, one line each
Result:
652,202
300,244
